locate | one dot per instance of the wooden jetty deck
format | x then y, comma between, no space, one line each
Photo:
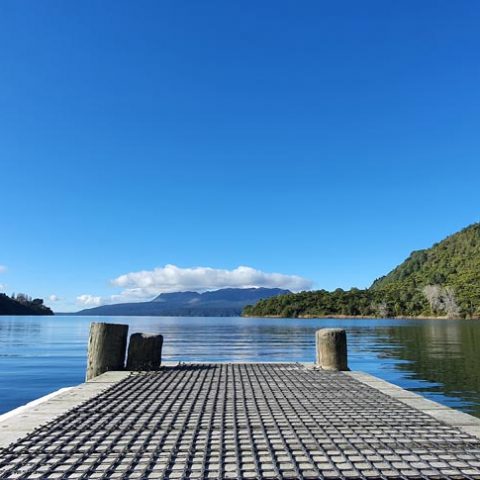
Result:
238,421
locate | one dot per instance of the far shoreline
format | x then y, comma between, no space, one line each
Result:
300,317
359,317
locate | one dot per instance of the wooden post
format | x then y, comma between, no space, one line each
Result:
144,352
106,348
332,349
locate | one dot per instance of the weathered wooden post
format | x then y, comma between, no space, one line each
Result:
332,349
106,348
144,352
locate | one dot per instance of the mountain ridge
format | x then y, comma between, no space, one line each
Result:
221,302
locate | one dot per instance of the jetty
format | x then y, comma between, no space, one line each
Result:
239,421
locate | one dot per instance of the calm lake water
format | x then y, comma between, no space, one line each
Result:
439,358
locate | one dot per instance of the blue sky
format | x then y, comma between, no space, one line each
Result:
325,140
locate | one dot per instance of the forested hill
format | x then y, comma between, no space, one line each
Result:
441,281
22,304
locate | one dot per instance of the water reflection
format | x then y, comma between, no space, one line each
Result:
437,358
442,357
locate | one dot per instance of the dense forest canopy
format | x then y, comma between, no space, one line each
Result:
442,281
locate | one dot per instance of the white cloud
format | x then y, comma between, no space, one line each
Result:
3,268
54,298
90,300
170,278
3,287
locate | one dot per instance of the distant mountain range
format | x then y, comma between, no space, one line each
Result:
226,302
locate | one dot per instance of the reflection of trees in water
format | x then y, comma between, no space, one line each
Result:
444,352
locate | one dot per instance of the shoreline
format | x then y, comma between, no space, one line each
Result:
302,317
359,317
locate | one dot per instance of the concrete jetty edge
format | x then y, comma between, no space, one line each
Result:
463,421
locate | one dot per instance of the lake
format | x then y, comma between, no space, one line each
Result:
438,358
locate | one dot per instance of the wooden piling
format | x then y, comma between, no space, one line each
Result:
332,349
144,352
106,348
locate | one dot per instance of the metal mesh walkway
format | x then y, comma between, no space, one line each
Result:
242,421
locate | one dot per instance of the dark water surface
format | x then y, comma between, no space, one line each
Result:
438,358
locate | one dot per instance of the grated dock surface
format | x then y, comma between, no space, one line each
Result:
243,421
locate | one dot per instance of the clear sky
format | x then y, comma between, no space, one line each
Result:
325,140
